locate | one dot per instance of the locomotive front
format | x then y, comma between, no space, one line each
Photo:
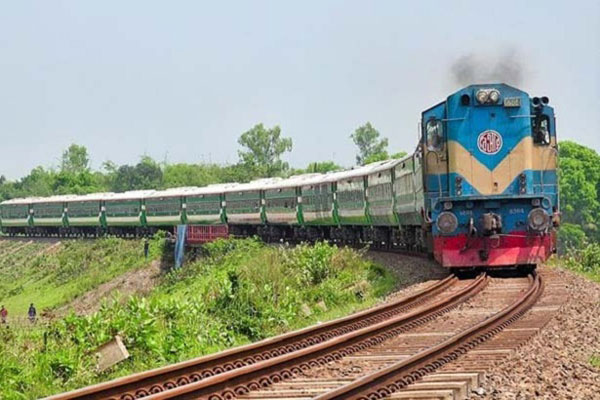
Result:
490,158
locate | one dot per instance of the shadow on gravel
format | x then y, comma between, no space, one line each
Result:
516,272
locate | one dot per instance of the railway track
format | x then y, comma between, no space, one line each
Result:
392,365
367,355
308,340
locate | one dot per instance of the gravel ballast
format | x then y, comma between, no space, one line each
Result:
556,363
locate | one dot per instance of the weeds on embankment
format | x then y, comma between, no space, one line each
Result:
584,260
241,291
49,273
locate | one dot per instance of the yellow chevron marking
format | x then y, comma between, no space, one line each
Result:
525,155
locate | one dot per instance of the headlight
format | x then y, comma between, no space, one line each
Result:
482,96
487,96
447,222
494,96
538,219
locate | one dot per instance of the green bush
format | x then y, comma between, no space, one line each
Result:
584,260
570,236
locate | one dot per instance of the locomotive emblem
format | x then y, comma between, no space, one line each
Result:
489,142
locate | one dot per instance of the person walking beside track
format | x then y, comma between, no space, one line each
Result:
146,248
32,313
3,314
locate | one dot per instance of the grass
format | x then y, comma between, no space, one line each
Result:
240,292
50,276
595,361
584,260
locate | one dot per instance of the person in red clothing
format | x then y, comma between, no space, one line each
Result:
3,314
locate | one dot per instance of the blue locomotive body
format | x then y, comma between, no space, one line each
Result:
491,158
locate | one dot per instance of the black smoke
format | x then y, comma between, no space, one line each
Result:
504,67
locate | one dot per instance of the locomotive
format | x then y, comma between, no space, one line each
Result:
480,190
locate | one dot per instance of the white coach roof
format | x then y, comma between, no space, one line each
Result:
131,195
259,184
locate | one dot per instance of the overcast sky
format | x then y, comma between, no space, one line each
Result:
181,80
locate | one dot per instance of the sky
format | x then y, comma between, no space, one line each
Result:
180,81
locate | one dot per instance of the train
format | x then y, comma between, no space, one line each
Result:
480,190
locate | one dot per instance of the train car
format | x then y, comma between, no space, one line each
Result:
409,204
15,216
284,199
350,198
206,206
85,215
380,194
358,219
244,205
125,212
318,205
164,208
49,215
283,207
491,187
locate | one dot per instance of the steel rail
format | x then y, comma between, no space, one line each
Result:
164,378
384,382
230,384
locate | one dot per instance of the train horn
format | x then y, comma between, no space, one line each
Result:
545,100
537,103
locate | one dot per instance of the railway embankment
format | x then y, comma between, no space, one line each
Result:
52,273
240,292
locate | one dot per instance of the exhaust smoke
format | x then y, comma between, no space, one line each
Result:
505,67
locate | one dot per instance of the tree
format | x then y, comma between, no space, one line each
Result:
399,155
588,157
191,175
264,148
580,187
370,147
39,182
322,167
77,183
75,159
146,174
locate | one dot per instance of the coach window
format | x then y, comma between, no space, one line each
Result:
541,129
435,135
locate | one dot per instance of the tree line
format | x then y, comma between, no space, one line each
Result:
579,175
260,155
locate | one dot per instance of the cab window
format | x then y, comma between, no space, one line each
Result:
434,135
541,129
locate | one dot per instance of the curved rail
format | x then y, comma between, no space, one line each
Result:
165,378
391,379
252,377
